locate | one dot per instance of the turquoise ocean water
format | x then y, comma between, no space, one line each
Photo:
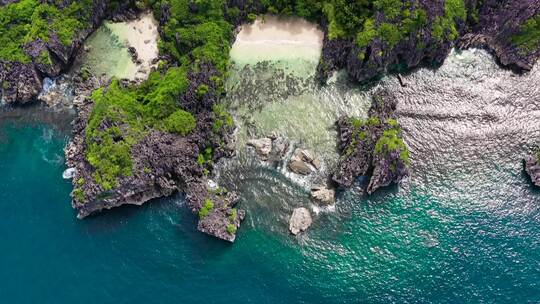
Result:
464,229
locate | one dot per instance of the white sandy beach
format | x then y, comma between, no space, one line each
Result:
277,39
142,34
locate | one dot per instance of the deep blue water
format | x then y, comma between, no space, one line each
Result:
390,248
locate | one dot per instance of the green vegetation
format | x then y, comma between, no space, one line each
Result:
202,90
180,122
252,17
359,134
231,229
206,157
206,208
528,38
356,19
233,215
222,119
445,26
390,142
30,20
122,116
202,37
78,195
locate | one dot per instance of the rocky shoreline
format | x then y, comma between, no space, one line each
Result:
496,23
163,163
22,82
532,167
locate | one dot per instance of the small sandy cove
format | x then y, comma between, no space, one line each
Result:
277,38
142,34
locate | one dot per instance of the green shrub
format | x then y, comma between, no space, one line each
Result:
206,157
528,38
454,11
28,20
233,215
180,122
252,17
231,229
391,141
390,34
78,195
222,119
364,37
206,208
202,90
129,113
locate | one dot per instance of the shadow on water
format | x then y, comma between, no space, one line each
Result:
36,114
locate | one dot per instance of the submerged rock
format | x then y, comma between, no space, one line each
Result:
532,167
300,220
262,146
298,166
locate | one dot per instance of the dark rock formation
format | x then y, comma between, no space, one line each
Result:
498,22
374,145
21,82
532,167
492,27
223,220
163,163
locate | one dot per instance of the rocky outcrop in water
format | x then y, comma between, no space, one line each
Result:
163,163
300,220
274,150
222,220
323,194
532,167
263,146
372,147
303,162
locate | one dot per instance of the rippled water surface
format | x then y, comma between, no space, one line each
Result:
463,228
